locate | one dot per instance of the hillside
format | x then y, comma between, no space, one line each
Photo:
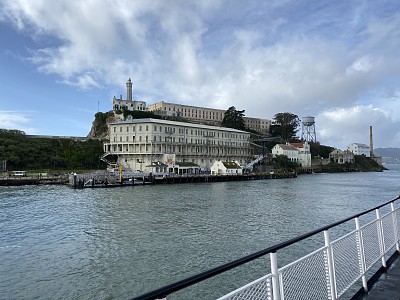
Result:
28,153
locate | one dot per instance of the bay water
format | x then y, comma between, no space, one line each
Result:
61,243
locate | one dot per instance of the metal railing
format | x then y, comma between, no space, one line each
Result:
326,273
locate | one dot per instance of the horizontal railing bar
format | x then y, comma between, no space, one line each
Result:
174,287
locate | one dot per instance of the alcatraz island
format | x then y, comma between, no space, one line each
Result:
173,139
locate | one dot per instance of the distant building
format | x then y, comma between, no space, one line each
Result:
128,103
359,149
341,157
226,168
286,149
141,143
196,114
204,115
296,152
304,153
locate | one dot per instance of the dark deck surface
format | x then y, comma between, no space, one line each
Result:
388,285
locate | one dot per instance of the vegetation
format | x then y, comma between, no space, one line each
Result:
29,153
234,119
285,125
283,162
139,114
317,149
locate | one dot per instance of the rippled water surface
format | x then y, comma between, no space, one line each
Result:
118,243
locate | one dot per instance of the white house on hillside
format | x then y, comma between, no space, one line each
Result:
304,153
359,149
286,149
226,167
296,152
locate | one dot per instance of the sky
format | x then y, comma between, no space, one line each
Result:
339,61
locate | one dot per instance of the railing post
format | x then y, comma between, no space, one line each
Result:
380,236
275,276
361,253
331,270
396,229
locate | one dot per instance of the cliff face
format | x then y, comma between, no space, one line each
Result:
99,128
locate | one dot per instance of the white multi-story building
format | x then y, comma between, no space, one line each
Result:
139,143
359,149
286,149
296,152
304,153
205,115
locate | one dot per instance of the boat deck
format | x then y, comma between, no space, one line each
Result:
388,285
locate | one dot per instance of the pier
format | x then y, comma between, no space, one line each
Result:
32,180
107,180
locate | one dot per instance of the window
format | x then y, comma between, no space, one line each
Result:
120,129
115,129
127,128
140,128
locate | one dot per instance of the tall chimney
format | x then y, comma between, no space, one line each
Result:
371,144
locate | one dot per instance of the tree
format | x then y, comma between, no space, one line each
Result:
283,162
233,119
320,150
286,125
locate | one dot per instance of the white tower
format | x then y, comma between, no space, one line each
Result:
129,90
308,130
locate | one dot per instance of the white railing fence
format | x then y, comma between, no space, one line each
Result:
330,271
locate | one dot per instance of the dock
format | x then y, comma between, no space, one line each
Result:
104,180
32,180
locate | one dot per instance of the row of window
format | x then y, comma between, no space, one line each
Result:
181,149
172,130
168,139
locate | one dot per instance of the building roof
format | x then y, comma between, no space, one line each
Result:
183,124
186,164
288,147
298,145
231,165
359,145
196,107
341,152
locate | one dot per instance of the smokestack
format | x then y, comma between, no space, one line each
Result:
371,144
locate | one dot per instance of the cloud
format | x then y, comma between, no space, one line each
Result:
14,120
343,126
264,57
